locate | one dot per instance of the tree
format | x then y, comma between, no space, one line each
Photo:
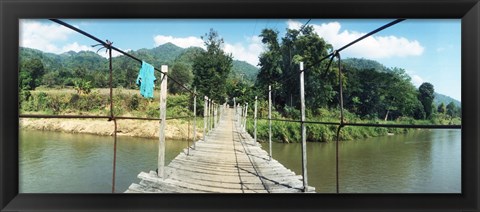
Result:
50,79
426,96
441,108
451,109
31,73
181,73
279,66
270,61
212,68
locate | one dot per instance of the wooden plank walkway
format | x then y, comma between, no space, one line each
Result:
229,161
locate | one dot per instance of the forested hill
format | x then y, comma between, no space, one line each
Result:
362,64
365,64
440,98
94,65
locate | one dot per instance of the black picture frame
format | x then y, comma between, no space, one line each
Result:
11,11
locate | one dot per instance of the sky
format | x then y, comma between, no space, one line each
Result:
429,50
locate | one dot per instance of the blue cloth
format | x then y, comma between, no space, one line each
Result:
146,80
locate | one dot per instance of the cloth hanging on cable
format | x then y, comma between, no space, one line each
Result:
146,80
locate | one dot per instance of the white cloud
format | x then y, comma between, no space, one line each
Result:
76,47
34,34
181,42
417,80
104,53
373,47
48,36
248,50
248,53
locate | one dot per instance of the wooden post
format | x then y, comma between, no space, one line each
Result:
245,120
213,116
218,112
208,114
255,122
242,121
304,130
194,116
212,105
161,133
270,121
205,118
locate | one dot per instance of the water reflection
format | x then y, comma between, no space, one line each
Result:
425,161
51,162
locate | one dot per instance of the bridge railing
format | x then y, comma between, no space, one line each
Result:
340,124
212,110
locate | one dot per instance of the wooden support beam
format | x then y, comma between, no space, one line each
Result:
270,121
304,130
255,122
245,119
161,133
194,116
205,114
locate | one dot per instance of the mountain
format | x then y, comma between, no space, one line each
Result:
240,67
362,64
125,68
440,98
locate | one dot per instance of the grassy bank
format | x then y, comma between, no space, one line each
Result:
289,132
125,103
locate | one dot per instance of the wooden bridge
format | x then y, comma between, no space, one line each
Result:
228,161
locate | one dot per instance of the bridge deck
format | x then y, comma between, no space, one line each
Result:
229,161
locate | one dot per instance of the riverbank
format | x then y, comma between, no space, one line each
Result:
175,129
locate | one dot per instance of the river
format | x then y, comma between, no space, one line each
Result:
426,161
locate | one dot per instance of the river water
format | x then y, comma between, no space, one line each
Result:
427,161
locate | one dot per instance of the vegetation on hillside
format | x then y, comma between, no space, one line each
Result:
372,93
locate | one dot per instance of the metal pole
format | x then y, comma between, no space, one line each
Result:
114,121
304,131
205,118
341,121
163,111
255,122
194,116
234,109
270,121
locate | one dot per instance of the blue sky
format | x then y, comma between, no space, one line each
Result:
429,50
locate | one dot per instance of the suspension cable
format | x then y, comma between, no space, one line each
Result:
118,50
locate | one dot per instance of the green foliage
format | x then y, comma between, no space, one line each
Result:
183,75
441,108
61,70
244,69
364,64
279,65
82,86
452,110
426,96
31,73
134,102
440,98
212,68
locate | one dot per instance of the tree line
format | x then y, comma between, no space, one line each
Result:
371,92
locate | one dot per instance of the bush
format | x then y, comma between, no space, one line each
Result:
134,102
